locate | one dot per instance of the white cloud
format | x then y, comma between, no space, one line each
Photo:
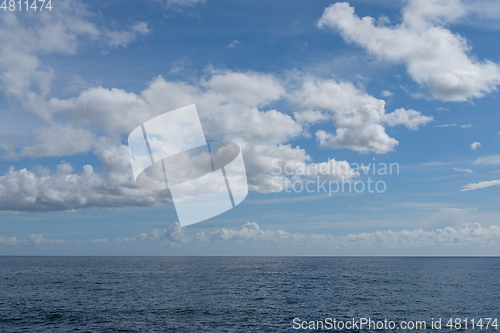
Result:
357,116
8,241
142,28
410,118
387,93
234,44
60,31
249,230
173,234
114,110
32,240
122,38
433,55
464,170
40,240
360,140
421,14
76,85
66,190
492,159
21,41
476,186
254,89
60,140
310,117
183,3
453,125
419,238
119,38
475,145
178,5
266,165
98,240
483,13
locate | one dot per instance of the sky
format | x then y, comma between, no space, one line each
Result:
396,100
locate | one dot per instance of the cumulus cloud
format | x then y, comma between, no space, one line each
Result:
475,145
476,186
434,56
228,101
410,118
8,241
173,234
66,189
387,93
357,116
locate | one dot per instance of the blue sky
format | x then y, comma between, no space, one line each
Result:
299,82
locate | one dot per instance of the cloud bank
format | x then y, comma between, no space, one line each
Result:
251,232
234,106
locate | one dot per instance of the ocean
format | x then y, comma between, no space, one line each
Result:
247,294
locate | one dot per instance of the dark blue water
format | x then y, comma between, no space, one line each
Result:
234,294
